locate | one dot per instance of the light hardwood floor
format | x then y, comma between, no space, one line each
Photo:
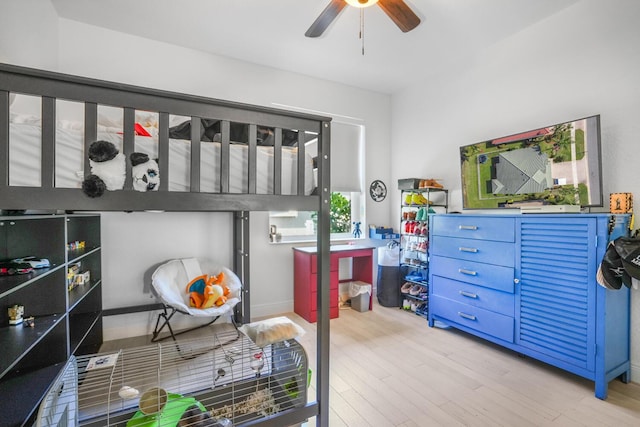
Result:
388,368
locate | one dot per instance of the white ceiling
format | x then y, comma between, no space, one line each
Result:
271,33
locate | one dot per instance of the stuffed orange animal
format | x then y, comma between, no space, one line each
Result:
206,291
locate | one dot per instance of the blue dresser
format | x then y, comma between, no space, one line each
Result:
528,283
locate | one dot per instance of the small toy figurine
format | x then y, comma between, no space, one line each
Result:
15,314
356,230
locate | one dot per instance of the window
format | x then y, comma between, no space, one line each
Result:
347,200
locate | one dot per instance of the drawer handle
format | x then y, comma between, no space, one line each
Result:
468,294
468,227
468,272
463,249
467,316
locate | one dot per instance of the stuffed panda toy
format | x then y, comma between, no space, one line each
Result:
145,172
108,169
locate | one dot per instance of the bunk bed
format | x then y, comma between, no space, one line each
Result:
212,156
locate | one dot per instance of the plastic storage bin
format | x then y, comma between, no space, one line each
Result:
361,302
358,293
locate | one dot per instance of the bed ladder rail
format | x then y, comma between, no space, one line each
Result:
241,263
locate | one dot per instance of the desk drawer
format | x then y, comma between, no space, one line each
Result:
500,253
333,265
333,301
485,321
334,312
474,227
333,281
487,275
477,296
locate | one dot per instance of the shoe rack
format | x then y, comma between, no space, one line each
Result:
420,198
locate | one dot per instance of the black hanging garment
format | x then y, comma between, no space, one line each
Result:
620,264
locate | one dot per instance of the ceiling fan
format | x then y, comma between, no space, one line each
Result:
397,10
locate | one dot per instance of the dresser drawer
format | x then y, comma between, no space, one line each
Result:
477,296
492,252
485,321
487,275
474,227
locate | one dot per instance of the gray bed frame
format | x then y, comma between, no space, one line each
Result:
51,86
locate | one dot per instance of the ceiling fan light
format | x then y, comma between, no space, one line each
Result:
361,3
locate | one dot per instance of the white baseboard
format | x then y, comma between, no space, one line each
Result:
267,310
635,373
139,324
127,326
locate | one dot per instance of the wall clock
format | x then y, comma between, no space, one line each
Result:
378,191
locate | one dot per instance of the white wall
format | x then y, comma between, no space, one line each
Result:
583,61
134,242
30,41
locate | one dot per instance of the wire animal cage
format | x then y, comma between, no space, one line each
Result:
223,375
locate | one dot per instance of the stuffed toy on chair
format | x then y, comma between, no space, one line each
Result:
107,169
206,291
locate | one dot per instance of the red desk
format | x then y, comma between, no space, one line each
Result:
305,295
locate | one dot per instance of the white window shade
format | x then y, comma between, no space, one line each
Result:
346,157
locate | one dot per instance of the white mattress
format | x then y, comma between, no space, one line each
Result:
25,159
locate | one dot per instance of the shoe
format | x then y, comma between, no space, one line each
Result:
421,215
433,183
418,229
419,199
406,288
416,276
422,309
415,290
407,198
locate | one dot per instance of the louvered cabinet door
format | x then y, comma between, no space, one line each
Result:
557,304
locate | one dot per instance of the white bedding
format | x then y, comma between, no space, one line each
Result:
25,159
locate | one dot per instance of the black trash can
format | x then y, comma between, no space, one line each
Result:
388,287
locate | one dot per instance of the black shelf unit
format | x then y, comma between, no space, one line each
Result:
66,321
14,391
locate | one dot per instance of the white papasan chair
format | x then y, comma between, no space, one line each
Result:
169,282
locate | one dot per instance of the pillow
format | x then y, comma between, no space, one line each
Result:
269,331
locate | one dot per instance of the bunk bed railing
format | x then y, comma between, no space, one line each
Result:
51,87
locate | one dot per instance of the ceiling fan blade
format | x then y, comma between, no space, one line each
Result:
400,13
325,19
